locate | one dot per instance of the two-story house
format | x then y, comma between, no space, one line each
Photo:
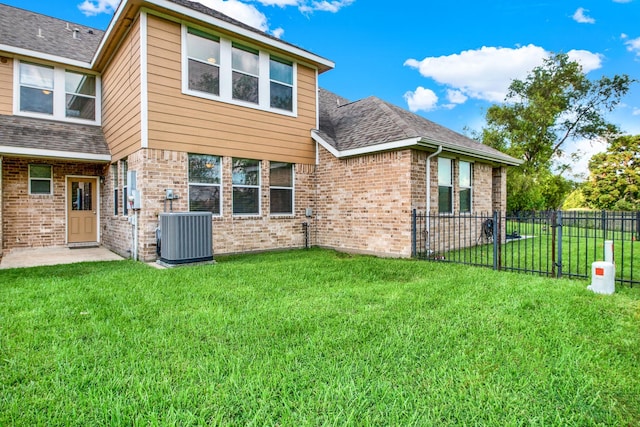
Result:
212,115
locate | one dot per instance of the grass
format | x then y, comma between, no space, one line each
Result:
313,338
580,247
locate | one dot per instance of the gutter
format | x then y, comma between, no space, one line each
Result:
416,142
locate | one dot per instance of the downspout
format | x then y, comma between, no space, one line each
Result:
438,151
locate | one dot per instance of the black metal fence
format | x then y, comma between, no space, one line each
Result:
553,244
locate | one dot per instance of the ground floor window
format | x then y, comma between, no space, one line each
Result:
281,188
205,180
40,179
125,201
245,176
465,170
445,185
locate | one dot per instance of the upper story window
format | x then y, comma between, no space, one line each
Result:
223,70
246,69
464,181
36,88
445,185
203,53
281,84
57,93
80,92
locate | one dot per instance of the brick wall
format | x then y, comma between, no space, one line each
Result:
36,220
364,203
158,170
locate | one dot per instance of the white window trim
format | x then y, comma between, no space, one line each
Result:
59,94
470,187
293,192
189,184
50,179
226,73
450,186
258,186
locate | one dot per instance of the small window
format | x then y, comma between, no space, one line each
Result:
40,179
205,177
281,85
203,53
114,180
246,69
246,187
281,190
80,92
36,88
445,185
125,201
465,181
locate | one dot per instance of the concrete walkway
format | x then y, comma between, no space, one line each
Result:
32,257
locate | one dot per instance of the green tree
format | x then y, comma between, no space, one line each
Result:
614,176
555,104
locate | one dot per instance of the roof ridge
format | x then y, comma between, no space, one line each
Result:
406,128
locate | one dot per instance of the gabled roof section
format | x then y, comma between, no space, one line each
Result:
52,139
190,11
22,31
371,125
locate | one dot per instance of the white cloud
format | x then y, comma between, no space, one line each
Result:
243,12
96,7
280,3
330,6
456,96
581,17
633,45
421,100
622,1
278,32
588,60
636,112
306,6
486,73
578,153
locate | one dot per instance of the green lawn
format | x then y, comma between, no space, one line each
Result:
313,338
580,248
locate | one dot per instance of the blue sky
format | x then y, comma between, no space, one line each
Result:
445,60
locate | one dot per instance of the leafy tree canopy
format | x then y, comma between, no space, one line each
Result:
555,104
614,176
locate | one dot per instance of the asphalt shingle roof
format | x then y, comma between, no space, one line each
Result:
32,31
371,121
26,132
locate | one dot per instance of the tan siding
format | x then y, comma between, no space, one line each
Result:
186,123
6,87
121,101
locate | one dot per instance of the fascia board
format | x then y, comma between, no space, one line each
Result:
388,146
45,56
412,143
453,148
54,154
317,138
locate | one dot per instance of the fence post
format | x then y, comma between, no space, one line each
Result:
638,225
559,227
414,249
497,231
